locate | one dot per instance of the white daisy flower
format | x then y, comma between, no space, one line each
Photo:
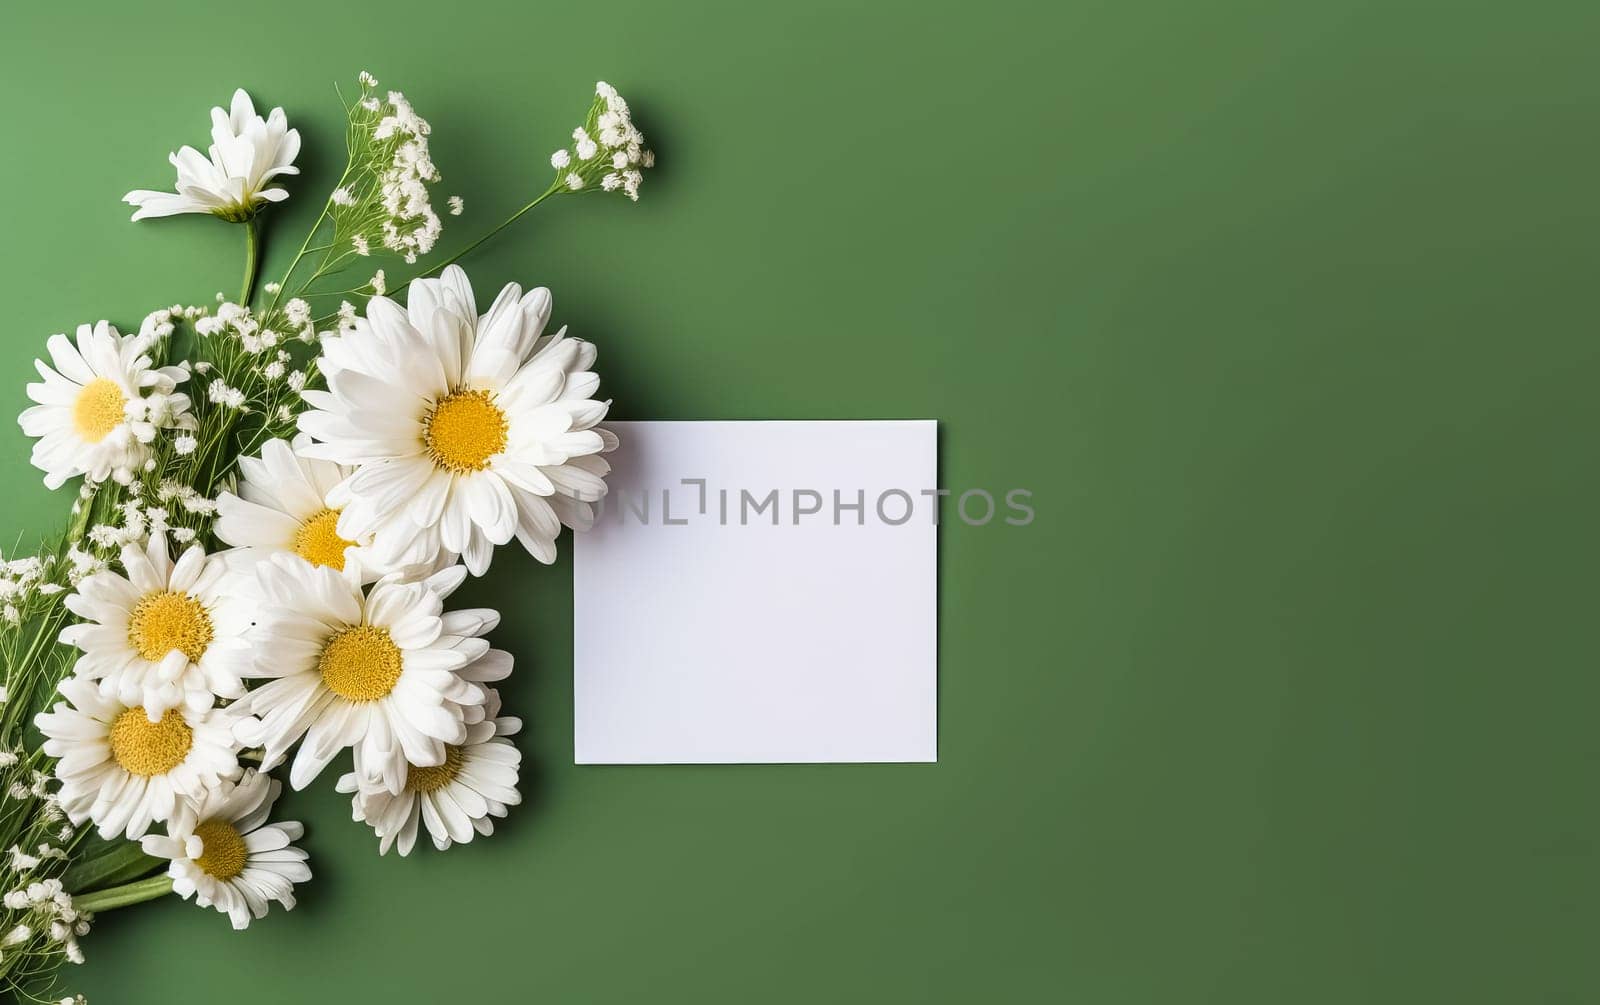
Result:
283,505
464,430
246,153
374,669
100,406
164,634
225,855
123,771
462,796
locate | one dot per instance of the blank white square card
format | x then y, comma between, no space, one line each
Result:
760,592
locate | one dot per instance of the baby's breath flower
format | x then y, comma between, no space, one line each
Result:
607,150
456,205
386,201
585,146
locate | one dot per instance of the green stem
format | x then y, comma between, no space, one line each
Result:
513,218
283,283
80,521
124,896
252,242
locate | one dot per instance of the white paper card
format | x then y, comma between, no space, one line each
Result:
705,632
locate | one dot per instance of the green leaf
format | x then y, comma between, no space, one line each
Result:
101,864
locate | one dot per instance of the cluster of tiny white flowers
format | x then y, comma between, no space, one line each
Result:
24,580
158,325
137,518
173,491
386,199
37,915
238,322
271,362
607,150
47,910
82,564
298,314
228,397
413,227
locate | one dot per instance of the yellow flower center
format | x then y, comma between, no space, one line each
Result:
162,622
318,541
148,748
223,855
464,430
360,664
437,777
98,409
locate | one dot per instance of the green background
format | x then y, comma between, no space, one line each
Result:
1284,312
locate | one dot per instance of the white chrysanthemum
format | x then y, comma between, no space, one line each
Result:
373,669
225,855
99,408
464,430
283,505
461,797
246,153
124,772
163,634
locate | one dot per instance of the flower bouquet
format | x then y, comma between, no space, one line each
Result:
276,498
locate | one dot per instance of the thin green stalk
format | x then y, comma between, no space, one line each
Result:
252,247
124,896
294,263
513,218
